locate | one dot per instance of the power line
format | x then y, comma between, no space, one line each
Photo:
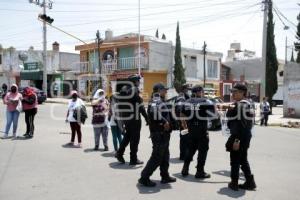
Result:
151,14
284,16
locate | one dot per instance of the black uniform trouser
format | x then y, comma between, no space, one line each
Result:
160,155
237,159
202,145
184,142
264,119
29,119
132,136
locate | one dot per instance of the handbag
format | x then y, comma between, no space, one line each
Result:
19,107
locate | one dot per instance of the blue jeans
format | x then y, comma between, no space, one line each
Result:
12,117
117,136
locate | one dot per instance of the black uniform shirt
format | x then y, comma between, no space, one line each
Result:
197,111
240,121
135,107
158,114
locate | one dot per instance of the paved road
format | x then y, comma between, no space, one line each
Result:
42,169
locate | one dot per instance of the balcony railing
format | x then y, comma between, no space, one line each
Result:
109,66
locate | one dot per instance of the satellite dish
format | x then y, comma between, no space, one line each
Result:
23,56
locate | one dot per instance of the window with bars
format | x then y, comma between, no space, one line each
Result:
212,69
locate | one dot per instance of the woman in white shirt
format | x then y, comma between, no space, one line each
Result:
75,125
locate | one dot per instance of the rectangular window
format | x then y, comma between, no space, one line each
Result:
212,69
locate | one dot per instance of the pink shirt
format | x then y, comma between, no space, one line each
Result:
27,106
12,100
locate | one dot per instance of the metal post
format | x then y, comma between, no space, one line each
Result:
204,63
285,49
44,50
139,48
264,50
99,58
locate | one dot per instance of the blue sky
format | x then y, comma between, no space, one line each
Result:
218,22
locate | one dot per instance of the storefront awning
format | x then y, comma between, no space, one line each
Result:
31,75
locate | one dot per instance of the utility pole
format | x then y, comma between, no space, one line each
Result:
99,58
286,49
264,49
204,63
45,51
44,5
139,36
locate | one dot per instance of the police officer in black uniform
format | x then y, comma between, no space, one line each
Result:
131,119
179,102
240,122
197,109
160,129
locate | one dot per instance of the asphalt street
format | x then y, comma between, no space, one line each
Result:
41,168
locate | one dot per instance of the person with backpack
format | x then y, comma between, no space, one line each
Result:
99,120
29,104
264,111
74,104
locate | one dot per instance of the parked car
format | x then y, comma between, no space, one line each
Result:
41,96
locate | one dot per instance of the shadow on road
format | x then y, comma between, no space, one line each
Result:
108,155
227,174
90,150
176,161
22,138
230,193
192,179
152,190
126,166
68,146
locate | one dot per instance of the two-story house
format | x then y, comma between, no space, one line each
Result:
25,67
119,58
193,62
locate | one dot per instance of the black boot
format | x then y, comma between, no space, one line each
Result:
167,179
136,162
249,184
201,174
146,182
120,158
105,148
96,147
233,185
185,169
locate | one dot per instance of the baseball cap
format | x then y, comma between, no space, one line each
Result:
197,88
159,86
134,77
240,87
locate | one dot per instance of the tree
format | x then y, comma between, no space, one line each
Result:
271,59
156,34
292,57
164,37
179,77
297,44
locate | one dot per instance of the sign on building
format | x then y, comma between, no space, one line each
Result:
31,66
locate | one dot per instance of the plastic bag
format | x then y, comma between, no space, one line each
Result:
19,107
224,120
